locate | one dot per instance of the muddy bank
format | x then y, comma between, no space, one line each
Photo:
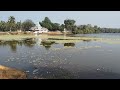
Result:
10,73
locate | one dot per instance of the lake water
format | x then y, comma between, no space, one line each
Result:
66,57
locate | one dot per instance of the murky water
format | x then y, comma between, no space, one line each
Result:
64,58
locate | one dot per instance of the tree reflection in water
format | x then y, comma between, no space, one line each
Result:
29,42
14,43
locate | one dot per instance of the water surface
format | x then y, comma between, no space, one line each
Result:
89,56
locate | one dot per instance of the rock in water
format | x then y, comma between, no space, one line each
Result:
10,73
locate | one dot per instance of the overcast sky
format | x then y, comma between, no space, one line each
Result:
100,18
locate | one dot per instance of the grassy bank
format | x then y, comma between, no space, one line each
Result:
60,38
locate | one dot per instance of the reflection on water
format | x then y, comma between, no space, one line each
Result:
13,43
30,42
86,57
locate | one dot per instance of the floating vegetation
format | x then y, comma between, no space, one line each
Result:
86,40
69,44
30,42
58,39
47,44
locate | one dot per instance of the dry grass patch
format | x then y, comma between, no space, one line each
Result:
10,73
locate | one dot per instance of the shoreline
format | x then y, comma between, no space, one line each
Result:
31,33
11,73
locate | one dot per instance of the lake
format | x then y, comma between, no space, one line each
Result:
89,56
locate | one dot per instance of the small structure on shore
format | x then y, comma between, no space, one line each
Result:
66,31
38,29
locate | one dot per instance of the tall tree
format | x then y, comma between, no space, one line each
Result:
62,27
46,23
55,26
69,24
2,26
27,24
18,25
47,20
11,25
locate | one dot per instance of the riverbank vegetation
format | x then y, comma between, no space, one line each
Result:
69,25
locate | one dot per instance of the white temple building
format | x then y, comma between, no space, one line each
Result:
38,29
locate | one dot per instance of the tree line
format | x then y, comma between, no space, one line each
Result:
69,25
12,25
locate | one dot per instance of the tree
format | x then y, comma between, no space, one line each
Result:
46,23
69,22
27,24
2,26
47,20
62,27
11,25
97,29
18,25
74,29
70,25
55,26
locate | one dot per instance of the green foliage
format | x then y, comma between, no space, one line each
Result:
18,25
27,24
11,24
50,25
87,29
69,24
46,23
2,26
55,26
47,20
62,27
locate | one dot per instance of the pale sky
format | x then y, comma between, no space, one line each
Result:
100,18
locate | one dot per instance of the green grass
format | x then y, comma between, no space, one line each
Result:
63,39
15,37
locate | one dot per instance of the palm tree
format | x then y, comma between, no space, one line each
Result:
11,22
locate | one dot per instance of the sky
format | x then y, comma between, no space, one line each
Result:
110,19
